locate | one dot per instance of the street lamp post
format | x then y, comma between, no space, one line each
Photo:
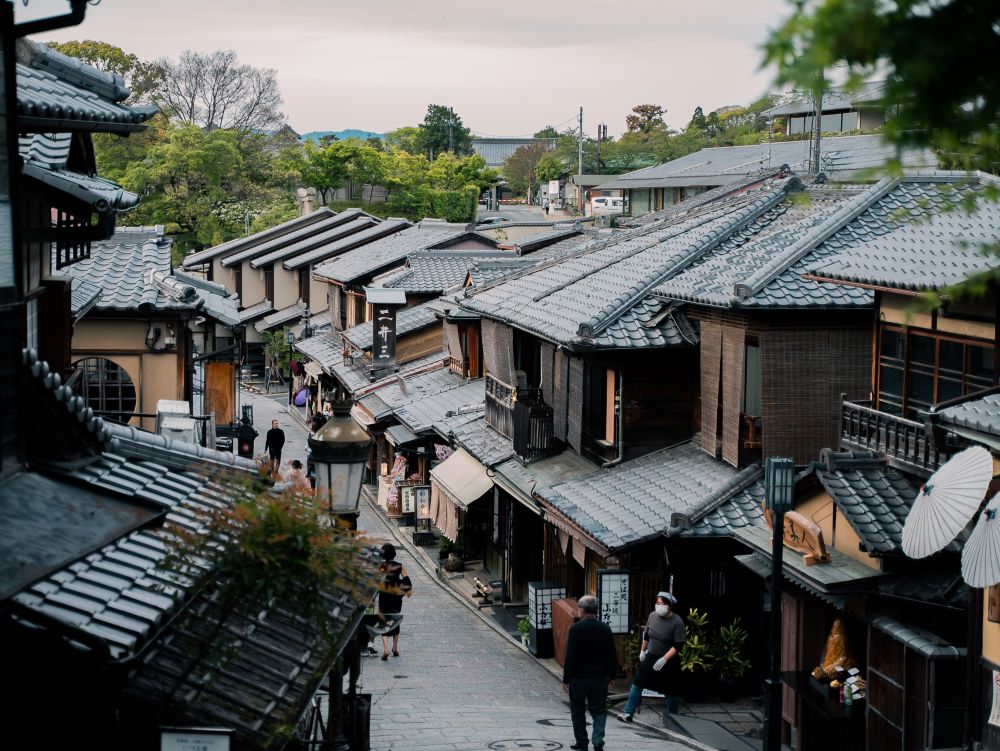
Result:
339,452
779,479
290,338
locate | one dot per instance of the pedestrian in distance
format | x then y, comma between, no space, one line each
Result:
274,441
395,586
590,667
659,657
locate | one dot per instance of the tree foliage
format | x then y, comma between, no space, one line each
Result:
442,130
216,91
646,119
143,78
947,94
520,168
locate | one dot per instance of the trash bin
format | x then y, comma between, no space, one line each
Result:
245,436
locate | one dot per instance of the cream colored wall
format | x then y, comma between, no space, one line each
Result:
991,635
156,375
286,287
907,310
222,275
317,296
253,286
819,508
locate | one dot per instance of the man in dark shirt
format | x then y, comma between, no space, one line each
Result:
591,665
273,443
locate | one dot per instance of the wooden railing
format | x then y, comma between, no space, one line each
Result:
500,399
903,442
459,366
533,425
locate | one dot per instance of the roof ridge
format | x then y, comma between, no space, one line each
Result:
746,477
74,71
806,244
606,317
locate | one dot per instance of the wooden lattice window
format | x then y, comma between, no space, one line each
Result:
69,252
106,388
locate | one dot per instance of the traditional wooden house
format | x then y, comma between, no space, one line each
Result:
90,510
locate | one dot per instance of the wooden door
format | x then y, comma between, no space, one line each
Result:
791,647
220,391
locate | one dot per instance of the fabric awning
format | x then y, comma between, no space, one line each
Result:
462,477
314,369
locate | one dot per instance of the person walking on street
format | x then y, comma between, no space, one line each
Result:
395,585
273,443
659,657
590,667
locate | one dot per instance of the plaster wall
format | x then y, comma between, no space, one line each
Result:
223,275
253,286
819,508
318,296
286,287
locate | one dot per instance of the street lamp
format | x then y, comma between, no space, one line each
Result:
779,482
340,452
290,338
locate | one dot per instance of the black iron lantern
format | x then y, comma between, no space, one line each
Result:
779,483
340,452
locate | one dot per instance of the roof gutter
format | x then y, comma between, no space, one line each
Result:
77,12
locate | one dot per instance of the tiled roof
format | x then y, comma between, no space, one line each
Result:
296,240
100,195
256,310
325,349
319,245
470,431
981,415
280,317
433,271
136,276
495,151
60,93
344,244
920,236
420,415
641,499
129,441
45,149
842,158
408,320
258,238
874,497
558,234
763,263
536,479
84,295
219,302
741,509
441,388
376,256
601,295
834,98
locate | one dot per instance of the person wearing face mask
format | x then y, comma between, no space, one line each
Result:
659,658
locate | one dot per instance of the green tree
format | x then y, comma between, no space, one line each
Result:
646,119
442,130
406,138
450,172
142,77
698,121
547,132
519,168
549,167
944,93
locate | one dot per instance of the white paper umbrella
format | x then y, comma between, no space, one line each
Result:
947,502
981,555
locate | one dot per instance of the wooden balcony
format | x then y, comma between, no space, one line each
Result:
500,398
459,366
904,442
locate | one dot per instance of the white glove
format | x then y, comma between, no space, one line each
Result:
658,665
642,654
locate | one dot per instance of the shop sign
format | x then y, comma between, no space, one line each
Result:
803,535
613,596
384,337
995,709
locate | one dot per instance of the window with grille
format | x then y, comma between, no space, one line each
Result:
919,368
106,388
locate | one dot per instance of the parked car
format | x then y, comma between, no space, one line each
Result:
492,220
607,205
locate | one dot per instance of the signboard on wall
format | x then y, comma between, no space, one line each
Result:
384,337
614,598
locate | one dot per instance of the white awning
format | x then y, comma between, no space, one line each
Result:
462,478
314,369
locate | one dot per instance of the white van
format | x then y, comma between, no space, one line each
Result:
607,205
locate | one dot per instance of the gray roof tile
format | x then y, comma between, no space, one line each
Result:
643,498
258,238
281,317
298,239
981,415
408,320
263,308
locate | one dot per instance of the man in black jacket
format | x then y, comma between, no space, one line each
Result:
591,665
273,443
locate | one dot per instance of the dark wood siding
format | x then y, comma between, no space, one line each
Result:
711,365
574,413
803,375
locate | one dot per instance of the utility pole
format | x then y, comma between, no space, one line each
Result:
817,120
579,169
451,130
602,135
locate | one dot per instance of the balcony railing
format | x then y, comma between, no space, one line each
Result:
500,398
459,366
903,442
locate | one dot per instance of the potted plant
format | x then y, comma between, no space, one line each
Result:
730,659
445,546
524,629
697,658
630,653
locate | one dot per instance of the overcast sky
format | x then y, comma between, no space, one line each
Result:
508,68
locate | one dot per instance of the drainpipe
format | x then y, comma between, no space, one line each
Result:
77,11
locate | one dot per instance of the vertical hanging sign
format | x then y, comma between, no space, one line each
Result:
613,596
385,303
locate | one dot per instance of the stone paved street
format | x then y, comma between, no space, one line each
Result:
457,685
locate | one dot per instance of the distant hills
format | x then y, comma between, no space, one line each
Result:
341,135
